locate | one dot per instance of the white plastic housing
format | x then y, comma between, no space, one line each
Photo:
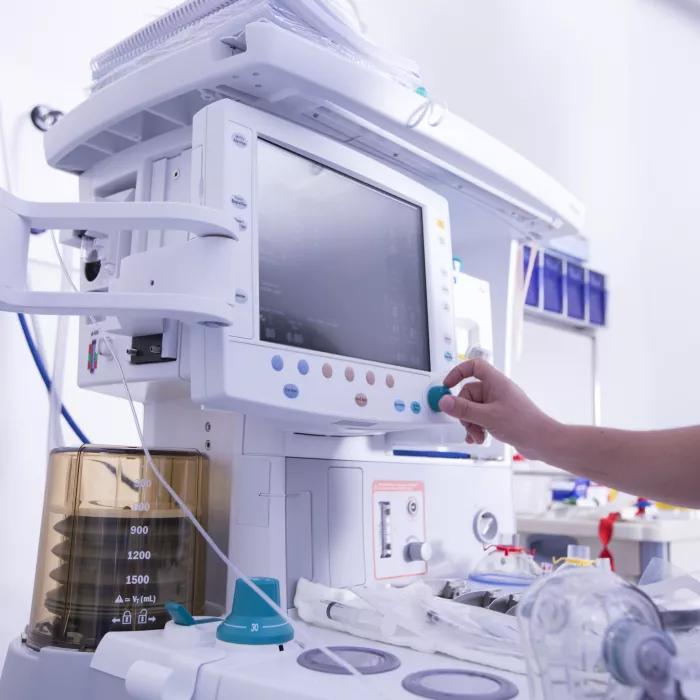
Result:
233,370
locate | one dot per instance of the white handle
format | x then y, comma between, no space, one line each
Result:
17,217
112,217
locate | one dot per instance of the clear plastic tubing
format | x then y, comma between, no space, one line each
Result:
361,619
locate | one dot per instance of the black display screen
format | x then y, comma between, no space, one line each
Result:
342,264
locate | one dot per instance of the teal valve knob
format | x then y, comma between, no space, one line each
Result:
252,620
436,393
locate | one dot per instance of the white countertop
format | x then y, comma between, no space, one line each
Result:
668,530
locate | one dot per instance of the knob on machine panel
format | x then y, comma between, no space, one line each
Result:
115,547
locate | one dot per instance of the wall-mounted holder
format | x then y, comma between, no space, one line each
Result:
565,291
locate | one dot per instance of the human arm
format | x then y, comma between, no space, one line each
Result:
663,465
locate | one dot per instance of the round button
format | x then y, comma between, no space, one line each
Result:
303,367
277,363
371,378
390,381
350,374
416,407
412,506
327,371
399,405
291,391
418,551
361,400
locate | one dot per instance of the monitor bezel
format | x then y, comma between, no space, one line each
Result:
224,170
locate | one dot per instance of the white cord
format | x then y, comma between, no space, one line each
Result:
298,631
433,110
534,251
522,299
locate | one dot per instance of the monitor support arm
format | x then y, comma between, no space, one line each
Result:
18,217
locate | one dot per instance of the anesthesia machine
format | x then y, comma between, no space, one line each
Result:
270,211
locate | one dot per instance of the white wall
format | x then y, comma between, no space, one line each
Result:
45,58
550,79
666,168
600,95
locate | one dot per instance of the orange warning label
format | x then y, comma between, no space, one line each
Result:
397,486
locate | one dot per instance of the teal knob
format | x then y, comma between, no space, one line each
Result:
435,394
252,620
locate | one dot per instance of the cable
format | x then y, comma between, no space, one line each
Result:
521,304
41,367
191,516
39,362
35,346
434,111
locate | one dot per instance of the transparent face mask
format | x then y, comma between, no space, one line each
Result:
587,633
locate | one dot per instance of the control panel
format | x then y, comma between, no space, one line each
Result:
355,523
400,546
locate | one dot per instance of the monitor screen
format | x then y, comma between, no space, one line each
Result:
342,264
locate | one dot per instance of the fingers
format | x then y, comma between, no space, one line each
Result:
464,410
478,369
473,391
475,434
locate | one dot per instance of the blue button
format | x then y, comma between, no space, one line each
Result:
399,405
291,391
416,407
277,363
449,356
303,367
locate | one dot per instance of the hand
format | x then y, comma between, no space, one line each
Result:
496,405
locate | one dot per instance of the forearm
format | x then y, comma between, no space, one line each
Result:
661,465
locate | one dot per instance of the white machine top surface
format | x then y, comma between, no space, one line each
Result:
280,72
257,672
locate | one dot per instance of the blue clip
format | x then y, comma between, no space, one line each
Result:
180,616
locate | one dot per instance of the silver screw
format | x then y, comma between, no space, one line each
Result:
207,427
